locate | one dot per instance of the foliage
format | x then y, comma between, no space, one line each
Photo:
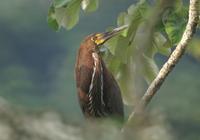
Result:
150,32
65,13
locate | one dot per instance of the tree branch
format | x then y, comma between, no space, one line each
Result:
171,62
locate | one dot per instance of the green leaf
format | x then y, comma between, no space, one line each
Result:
118,46
162,44
149,69
111,44
114,65
143,40
112,62
89,5
60,3
53,23
121,50
60,15
51,19
134,18
120,19
175,25
68,17
174,32
126,81
132,9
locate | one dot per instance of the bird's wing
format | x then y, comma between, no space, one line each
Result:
112,94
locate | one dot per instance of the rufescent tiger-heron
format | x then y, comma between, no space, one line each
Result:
98,92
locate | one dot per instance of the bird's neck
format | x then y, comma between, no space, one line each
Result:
89,56
98,73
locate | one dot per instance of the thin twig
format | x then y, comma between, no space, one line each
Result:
171,62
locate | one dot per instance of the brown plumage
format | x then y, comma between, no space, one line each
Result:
98,92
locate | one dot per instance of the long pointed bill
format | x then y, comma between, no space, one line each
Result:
103,37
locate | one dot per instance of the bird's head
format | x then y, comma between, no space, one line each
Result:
93,41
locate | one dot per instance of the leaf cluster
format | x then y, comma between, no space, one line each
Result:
65,13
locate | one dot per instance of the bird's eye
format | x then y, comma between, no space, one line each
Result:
94,38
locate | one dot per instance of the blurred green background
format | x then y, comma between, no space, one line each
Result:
37,65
